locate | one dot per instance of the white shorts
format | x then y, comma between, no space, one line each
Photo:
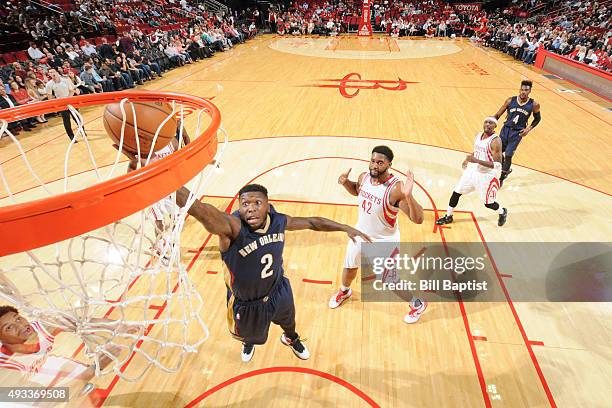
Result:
163,207
487,184
352,259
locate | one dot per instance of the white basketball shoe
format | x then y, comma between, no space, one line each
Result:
415,313
337,299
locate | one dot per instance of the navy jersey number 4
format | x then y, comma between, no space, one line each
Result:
518,114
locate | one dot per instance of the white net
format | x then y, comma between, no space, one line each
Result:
121,288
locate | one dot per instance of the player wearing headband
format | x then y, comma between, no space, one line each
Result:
481,172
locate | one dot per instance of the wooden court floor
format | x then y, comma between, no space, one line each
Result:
299,111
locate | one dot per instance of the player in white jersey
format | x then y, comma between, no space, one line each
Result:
481,172
164,207
381,196
25,349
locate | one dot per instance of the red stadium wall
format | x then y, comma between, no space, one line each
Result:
592,79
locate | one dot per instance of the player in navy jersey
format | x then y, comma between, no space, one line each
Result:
251,241
519,109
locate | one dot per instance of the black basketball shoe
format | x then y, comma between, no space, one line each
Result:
447,219
248,350
298,348
502,218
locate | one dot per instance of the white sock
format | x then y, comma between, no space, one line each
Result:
449,211
344,288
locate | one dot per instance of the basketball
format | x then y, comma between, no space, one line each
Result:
149,116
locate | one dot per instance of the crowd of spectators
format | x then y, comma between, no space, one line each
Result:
138,40
313,17
580,31
108,62
577,29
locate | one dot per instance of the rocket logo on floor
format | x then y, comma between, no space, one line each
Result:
352,84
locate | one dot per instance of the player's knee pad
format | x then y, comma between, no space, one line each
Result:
454,200
493,206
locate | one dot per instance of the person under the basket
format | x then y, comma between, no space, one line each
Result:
26,359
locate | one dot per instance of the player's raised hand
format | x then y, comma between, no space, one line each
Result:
408,184
134,159
344,177
352,233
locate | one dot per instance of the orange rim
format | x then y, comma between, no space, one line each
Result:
45,221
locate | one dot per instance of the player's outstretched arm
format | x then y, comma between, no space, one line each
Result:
503,108
216,222
402,194
323,224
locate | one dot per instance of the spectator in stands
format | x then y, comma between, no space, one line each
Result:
581,54
520,52
591,58
41,88
213,42
218,35
120,65
81,89
146,65
106,83
144,70
34,52
118,80
105,50
441,32
155,56
32,90
63,43
18,70
66,67
172,53
88,49
74,58
194,50
126,44
19,94
20,82
515,44
8,101
531,53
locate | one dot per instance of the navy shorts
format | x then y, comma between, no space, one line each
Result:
510,140
250,321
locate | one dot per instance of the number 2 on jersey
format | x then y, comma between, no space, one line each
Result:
267,271
367,206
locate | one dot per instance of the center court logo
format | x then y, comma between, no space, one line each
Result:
352,84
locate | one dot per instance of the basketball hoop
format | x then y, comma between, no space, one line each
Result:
86,248
34,224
